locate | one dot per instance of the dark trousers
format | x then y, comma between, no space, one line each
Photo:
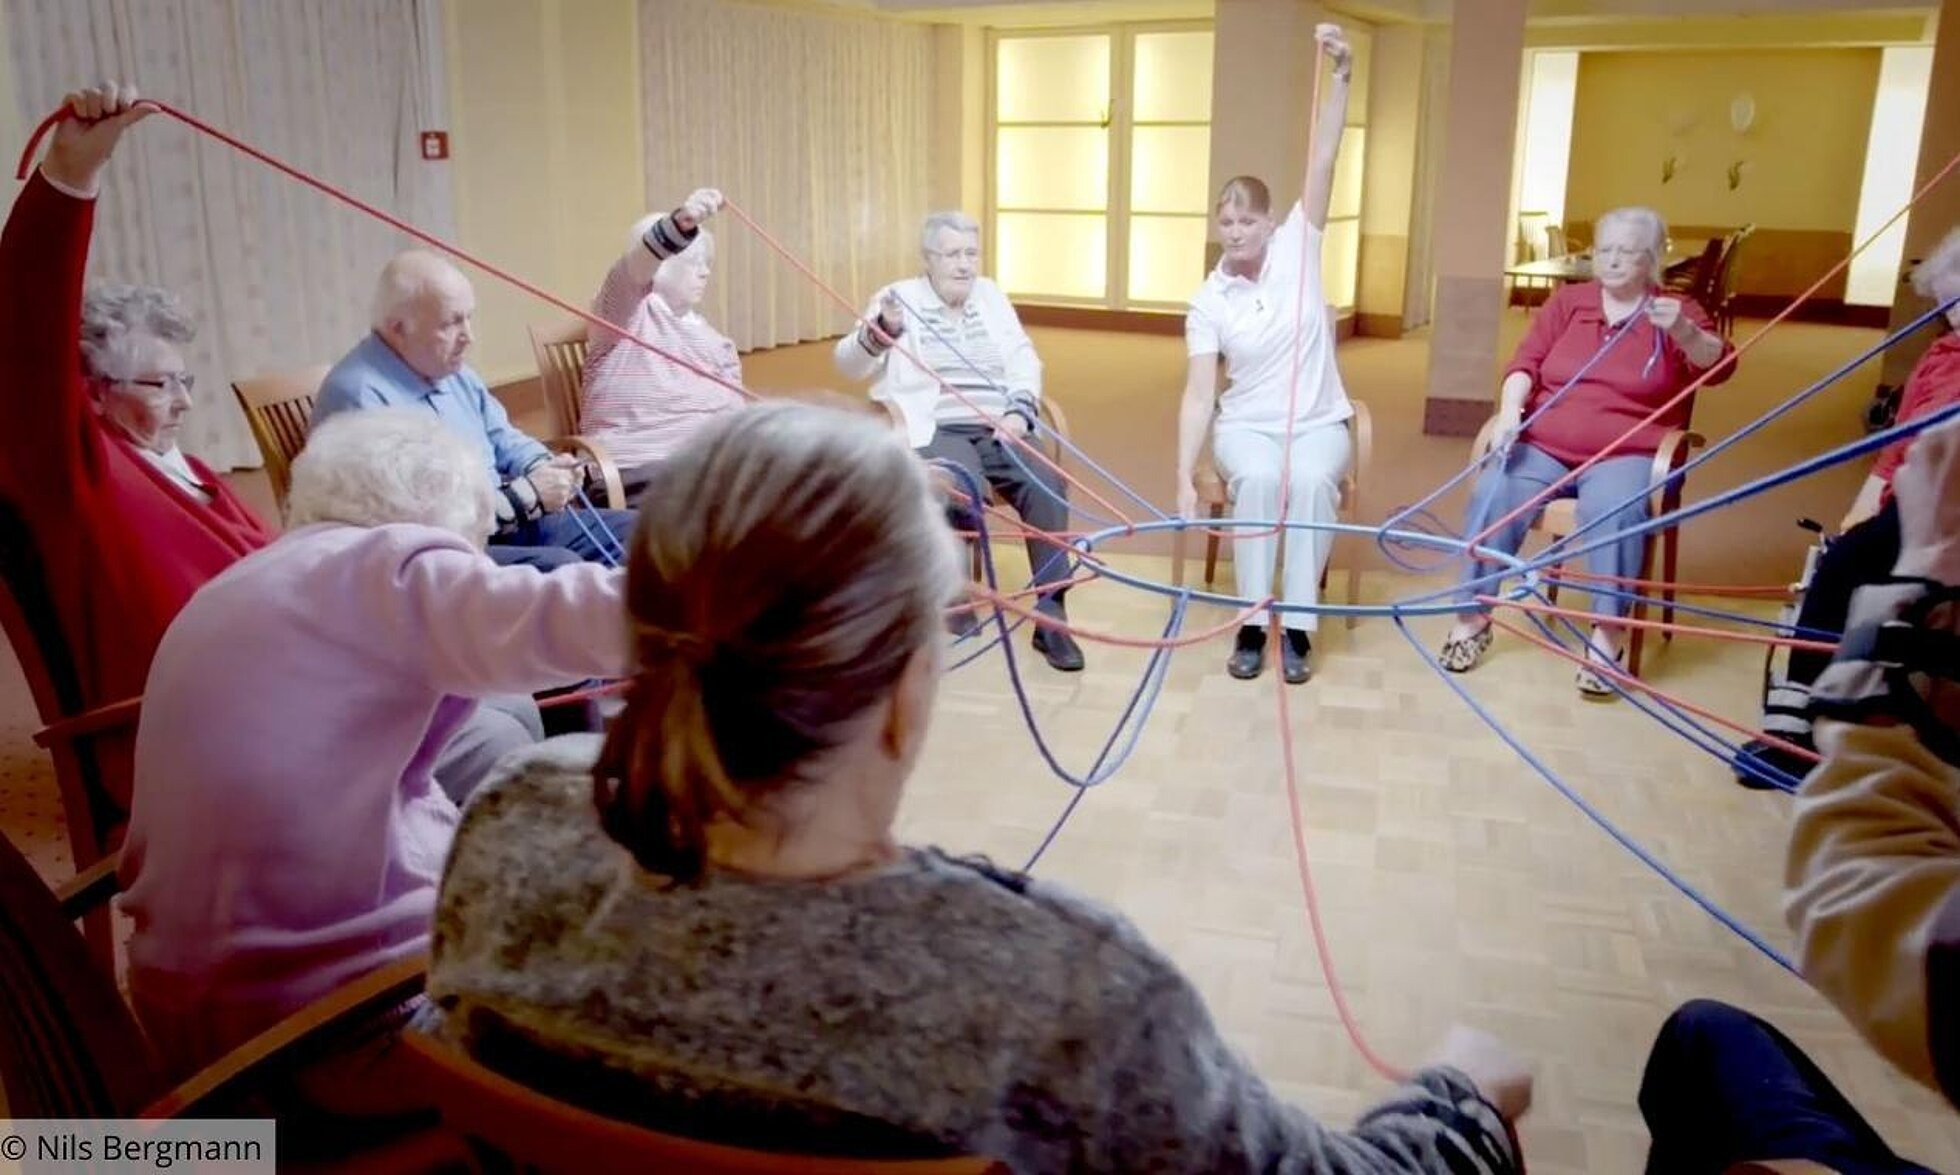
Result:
1723,1087
1860,556
559,538
1028,483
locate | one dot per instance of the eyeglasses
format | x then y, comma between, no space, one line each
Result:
957,254
182,381
1618,251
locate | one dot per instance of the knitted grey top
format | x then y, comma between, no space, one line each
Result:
936,1006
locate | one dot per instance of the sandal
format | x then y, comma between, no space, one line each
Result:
1590,684
1462,654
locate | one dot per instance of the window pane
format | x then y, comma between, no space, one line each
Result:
1170,168
1173,77
1346,198
1052,167
1167,258
1052,79
1340,261
1053,254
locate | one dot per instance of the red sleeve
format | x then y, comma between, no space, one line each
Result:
1546,327
1700,318
50,446
1923,394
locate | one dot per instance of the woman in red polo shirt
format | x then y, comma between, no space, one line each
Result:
1599,358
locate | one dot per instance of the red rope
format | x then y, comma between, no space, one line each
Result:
1551,491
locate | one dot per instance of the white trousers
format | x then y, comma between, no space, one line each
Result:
1250,460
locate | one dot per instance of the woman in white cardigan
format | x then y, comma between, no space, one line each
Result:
1267,287
978,390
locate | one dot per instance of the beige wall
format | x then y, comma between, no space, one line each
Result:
1389,177
959,139
544,106
1259,116
1805,154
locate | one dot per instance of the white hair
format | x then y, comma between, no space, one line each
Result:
407,276
1647,223
959,222
1943,261
381,465
115,318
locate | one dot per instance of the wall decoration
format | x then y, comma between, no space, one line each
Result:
1742,113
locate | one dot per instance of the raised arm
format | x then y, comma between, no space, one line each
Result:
667,235
861,354
46,446
1330,121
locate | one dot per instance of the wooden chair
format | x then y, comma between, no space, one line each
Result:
539,1133
560,354
79,739
71,1048
279,407
1215,495
1560,518
1703,281
1722,309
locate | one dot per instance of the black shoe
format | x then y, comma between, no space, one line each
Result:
1060,649
1293,653
1248,659
1763,756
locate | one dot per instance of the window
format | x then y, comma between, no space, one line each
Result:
1101,152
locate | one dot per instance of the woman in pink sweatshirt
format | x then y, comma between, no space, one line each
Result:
286,836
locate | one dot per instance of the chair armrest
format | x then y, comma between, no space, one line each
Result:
372,993
1675,446
596,453
1057,422
91,889
113,716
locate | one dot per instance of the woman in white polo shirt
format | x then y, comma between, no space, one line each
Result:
1267,286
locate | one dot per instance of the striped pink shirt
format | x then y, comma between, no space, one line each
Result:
637,404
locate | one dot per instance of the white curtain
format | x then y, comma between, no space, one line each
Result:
817,125
276,274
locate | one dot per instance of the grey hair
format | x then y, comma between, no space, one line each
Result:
382,465
1943,261
407,276
115,317
1645,221
959,222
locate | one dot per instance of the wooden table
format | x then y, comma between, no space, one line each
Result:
1577,267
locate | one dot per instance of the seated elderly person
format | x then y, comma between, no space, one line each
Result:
1872,883
124,524
729,942
286,836
1611,351
414,358
1868,538
640,405
970,340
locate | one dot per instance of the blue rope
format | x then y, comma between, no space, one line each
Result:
1678,475
599,520
1612,340
1592,813
1764,484
1795,630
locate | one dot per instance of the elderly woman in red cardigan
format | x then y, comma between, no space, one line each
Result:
1624,348
124,524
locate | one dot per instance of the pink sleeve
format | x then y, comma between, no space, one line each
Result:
619,295
478,628
1546,327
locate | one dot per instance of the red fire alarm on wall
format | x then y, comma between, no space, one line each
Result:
435,144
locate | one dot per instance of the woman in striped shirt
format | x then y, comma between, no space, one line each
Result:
637,404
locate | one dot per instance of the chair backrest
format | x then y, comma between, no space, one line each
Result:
279,407
1531,234
542,1133
69,1046
560,354
33,629
1555,245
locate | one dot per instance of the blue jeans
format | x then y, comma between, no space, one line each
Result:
566,536
1524,474
1723,1087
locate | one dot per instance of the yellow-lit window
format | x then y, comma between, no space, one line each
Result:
1101,156
1340,257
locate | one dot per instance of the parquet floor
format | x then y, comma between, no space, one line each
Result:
1455,883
